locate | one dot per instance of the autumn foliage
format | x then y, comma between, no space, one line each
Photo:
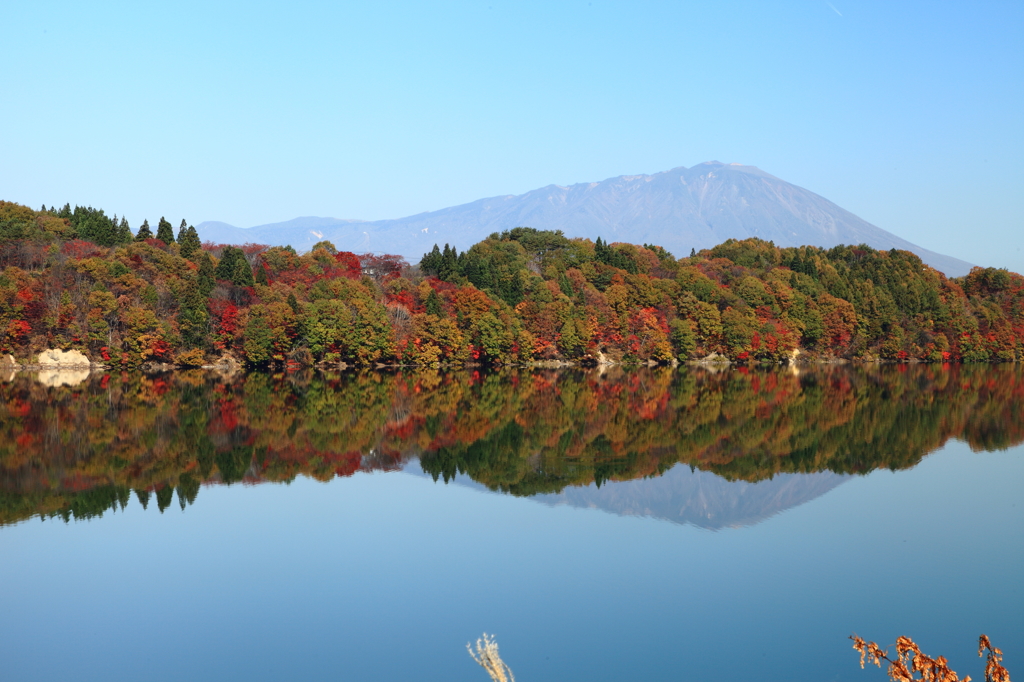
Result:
77,279
78,451
912,665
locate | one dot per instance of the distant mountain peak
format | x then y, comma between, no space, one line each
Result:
679,209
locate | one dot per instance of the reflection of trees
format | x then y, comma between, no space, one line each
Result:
78,452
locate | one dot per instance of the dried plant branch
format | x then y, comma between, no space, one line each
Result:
486,655
910,661
994,670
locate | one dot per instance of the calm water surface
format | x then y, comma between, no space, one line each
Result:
647,525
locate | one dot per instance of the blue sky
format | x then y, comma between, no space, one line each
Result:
911,115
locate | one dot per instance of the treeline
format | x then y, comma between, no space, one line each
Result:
78,452
77,279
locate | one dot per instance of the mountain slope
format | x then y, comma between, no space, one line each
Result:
698,498
679,209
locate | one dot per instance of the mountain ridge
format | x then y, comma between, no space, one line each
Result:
678,209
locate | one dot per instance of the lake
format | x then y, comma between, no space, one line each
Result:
652,524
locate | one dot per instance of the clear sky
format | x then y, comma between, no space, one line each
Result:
909,114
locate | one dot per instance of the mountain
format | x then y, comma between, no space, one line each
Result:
697,498
679,209
700,498
301,233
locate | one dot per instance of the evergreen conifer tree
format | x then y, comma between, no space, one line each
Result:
565,285
433,304
164,496
234,268
207,276
123,234
188,242
226,265
144,232
192,315
93,225
448,268
431,261
164,231
242,273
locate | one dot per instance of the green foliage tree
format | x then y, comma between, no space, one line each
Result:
430,264
326,246
144,232
448,268
192,314
164,231
189,243
207,275
234,268
258,337
683,338
123,234
93,225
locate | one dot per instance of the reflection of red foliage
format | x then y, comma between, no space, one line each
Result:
227,419
21,408
349,463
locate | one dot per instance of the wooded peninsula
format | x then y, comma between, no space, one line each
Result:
76,279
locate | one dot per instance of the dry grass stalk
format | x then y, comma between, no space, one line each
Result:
486,655
909,660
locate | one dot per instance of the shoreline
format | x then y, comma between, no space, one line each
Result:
719,362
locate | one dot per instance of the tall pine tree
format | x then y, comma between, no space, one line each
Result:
188,241
93,225
144,232
448,269
207,275
430,262
164,231
234,268
192,315
123,234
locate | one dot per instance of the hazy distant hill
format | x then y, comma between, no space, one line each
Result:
679,209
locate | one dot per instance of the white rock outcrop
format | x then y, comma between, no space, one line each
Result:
62,358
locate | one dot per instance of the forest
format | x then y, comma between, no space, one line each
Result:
78,279
77,452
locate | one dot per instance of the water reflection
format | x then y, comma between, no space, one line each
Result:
80,450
